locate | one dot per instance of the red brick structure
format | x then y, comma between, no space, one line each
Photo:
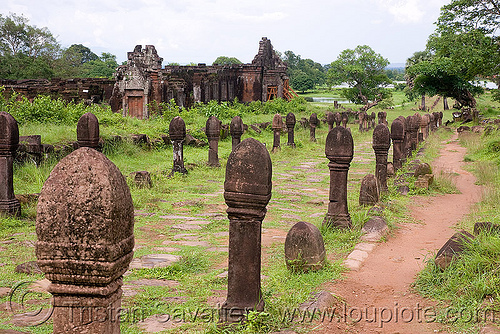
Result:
92,89
143,80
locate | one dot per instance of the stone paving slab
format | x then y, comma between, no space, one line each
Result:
154,261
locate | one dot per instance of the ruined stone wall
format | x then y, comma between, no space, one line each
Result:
142,80
92,89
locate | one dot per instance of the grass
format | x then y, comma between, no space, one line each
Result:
299,193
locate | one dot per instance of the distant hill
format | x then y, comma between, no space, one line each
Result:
396,65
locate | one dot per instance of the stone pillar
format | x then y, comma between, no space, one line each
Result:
369,192
177,133
87,131
85,241
423,126
381,144
361,119
9,140
277,126
414,125
440,119
236,131
212,130
339,149
290,126
432,123
407,140
313,122
330,119
338,118
247,190
382,118
417,118
397,135
345,119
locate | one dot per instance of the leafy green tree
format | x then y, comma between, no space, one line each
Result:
103,67
304,74
442,76
85,53
301,81
223,60
416,58
364,71
26,52
469,15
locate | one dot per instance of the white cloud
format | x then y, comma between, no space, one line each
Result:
404,11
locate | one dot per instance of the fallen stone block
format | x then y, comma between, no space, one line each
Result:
452,249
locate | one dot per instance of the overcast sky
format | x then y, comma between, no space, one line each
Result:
199,31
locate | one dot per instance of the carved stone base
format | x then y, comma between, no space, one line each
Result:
10,207
74,314
339,220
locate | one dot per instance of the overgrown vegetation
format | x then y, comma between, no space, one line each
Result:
198,273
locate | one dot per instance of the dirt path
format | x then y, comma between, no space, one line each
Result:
381,286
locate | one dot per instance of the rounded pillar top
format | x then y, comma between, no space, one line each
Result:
330,118
339,145
397,129
9,133
338,118
85,221
290,120
313,120
87,131
212,127
381,138
236,126
248,175
277,122
177,128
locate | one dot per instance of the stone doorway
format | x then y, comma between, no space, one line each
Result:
136,106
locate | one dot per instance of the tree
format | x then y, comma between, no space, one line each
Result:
301,81
417,57
26,52
441,76
103,67
469,15
467,33
223,60
364,71
303,73
85,53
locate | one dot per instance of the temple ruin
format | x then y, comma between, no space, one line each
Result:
143,80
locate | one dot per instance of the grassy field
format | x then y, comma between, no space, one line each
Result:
300,192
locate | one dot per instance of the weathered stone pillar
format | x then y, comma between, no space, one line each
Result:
247,190
397,135
381,144
440,119
9,140
87,131
407,140
313,122
236,131
361,117
290,126
338,118
414,125
212,130
417,118
382,118
277,126
177,133
85,241
423,126
330,119
345,119
339,149
432,123
369,192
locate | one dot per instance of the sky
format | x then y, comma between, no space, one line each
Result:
199,31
